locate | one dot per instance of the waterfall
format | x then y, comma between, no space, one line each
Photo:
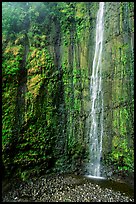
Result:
96,113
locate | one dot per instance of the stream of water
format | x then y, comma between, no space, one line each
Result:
96,114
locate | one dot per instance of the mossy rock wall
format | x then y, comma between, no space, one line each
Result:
118,73
46,86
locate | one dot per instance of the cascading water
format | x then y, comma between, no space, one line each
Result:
96,113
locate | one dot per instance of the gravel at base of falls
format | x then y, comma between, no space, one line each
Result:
61,188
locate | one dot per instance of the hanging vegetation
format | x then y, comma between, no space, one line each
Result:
47,57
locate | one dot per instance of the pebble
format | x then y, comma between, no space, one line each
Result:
62,189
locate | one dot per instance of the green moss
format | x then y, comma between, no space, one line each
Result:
46,85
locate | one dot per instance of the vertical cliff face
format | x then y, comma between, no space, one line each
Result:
118,73
46,85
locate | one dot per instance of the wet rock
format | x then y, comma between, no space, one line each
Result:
62,188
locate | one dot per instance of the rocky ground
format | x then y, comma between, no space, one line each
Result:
61,188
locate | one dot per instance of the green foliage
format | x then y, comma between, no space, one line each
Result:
122,156
54,91
12,58
14,18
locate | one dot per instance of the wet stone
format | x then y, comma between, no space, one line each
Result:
62,189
